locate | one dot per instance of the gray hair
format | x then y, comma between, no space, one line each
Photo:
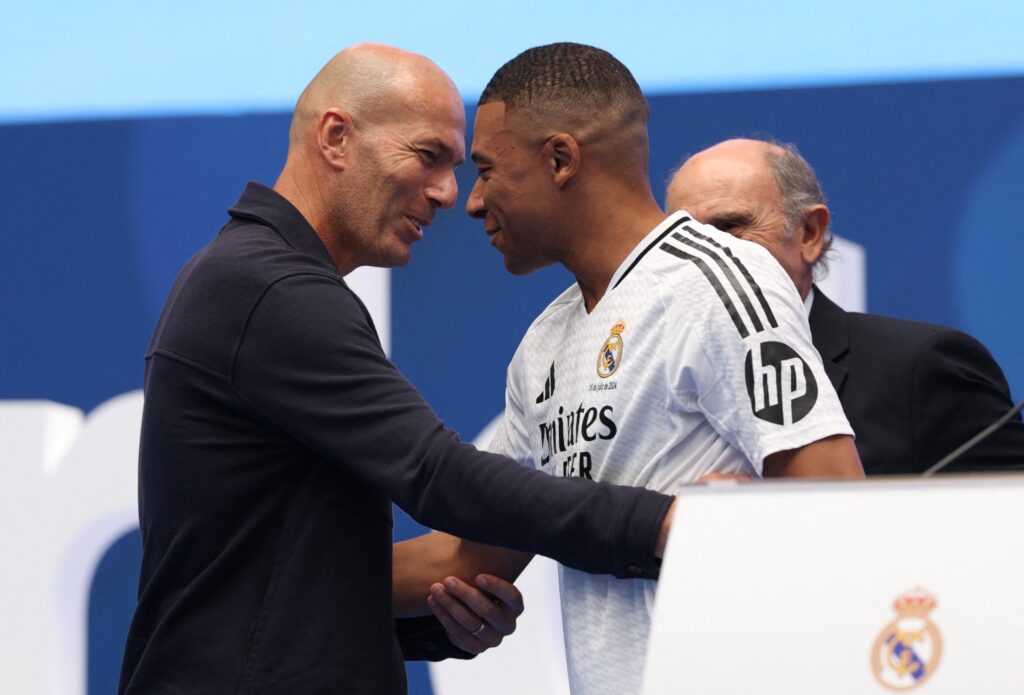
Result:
799,189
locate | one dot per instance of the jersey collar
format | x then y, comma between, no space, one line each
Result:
652,239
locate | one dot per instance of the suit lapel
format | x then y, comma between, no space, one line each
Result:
830,334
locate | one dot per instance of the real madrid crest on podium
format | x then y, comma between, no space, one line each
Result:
611,352
908,650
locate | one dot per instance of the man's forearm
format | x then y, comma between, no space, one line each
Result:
421,562
831,457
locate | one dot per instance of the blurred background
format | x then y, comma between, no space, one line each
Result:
127,129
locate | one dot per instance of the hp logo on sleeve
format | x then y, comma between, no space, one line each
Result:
781,386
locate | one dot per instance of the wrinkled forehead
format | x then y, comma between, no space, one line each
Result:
429,93
430,113
706,179
443,102
691,190
447,118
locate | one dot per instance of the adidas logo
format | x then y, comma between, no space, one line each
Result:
549,386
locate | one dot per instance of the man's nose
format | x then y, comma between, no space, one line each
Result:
475,204
445,192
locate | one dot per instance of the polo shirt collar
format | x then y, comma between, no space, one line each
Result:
267,206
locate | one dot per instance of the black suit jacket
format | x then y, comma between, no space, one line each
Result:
913,391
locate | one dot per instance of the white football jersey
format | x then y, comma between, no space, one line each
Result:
698,359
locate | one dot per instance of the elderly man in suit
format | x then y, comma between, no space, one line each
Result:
912,391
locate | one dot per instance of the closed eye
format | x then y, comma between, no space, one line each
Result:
731,224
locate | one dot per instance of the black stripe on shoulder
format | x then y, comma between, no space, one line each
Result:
741,292
713,279
746,274
681,220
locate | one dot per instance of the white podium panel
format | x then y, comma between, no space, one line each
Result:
854,588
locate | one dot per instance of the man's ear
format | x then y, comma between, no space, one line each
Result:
562,157
335,137
812,233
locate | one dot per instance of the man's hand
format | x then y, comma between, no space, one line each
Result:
479,617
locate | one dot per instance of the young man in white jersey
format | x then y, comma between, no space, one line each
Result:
680,353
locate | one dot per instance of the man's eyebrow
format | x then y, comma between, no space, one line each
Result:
443,148
735,216
479,159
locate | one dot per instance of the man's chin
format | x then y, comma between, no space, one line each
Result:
398,261
519,267
393,258
399,252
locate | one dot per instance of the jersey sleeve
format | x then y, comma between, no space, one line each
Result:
511,438
745,357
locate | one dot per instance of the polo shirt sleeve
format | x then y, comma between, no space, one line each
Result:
310,363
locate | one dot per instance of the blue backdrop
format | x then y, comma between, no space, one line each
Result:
97,217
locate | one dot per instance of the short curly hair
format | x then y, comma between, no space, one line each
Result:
569,77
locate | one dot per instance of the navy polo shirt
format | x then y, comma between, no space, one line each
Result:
275,436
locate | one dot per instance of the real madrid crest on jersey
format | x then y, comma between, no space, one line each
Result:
908,649
610,357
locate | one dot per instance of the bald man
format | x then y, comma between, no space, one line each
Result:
276,434
679,353
912,391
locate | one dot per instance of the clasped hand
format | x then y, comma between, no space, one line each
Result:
476,617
